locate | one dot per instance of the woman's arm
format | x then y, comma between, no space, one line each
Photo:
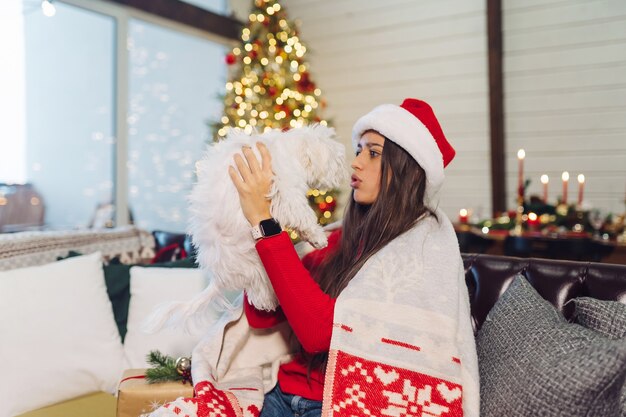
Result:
307,308
259,319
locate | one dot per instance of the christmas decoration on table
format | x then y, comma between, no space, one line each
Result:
536,214
165,368
270,87
136,397
554,219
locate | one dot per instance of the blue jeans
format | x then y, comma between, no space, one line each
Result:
279,404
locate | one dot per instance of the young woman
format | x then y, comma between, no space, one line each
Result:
403,319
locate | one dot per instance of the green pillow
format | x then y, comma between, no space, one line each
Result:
117,279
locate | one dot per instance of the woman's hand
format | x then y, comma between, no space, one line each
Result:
253,182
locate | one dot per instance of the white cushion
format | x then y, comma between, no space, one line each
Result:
150,287
58,338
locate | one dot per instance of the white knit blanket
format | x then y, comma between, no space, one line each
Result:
402,342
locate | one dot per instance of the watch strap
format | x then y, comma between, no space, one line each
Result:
256,232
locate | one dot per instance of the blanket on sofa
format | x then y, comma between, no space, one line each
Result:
389,354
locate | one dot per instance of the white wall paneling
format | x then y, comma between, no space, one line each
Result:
565,95
363,54
564,83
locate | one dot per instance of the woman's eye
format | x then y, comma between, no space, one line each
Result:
358,152
373,154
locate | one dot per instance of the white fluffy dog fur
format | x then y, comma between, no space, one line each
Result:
302,158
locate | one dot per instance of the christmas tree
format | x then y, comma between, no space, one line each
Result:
270,86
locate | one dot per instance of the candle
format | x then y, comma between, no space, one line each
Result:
544,181
520,173
463,216
565,178
533,220
581,188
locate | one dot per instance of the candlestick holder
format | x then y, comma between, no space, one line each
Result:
517,230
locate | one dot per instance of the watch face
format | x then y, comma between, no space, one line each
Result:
270,227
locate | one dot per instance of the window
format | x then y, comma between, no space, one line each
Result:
115,111
173,81
69,62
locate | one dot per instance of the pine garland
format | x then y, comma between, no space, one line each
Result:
163,368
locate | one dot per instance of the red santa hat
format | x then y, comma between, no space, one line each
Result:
413,126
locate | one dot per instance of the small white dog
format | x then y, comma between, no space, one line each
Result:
302,158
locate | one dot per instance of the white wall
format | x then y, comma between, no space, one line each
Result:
565,85
363,54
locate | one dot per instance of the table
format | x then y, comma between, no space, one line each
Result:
572,246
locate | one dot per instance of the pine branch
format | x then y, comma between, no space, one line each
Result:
164,368
156,375
156,358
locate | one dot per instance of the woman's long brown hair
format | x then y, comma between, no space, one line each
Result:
367,229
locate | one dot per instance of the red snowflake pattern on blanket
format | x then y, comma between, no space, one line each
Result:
365,388
208,402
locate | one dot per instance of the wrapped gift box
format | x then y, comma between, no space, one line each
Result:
136,397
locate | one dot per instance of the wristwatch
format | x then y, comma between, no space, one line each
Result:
267,228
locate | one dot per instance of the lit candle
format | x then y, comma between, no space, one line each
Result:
565,178
520,177
533,220
581,188
544,181
463,216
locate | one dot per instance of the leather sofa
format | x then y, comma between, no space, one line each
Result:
488,276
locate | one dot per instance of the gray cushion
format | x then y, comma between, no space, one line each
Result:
607,318
534,363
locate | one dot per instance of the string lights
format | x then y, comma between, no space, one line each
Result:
270,86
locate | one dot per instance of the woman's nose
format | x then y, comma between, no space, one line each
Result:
357,163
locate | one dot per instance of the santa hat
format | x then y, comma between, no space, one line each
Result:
414,127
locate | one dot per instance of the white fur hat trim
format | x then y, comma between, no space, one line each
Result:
407,131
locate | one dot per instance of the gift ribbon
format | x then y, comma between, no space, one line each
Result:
133,377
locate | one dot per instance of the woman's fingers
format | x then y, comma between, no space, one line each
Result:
252,160
266,158
249,172
236,179
253,181
243,168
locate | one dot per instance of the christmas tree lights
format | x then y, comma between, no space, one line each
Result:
270,86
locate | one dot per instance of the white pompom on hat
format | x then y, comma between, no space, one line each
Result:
414,127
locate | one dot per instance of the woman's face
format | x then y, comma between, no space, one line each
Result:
367,166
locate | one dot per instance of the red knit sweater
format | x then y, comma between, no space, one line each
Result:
307,308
